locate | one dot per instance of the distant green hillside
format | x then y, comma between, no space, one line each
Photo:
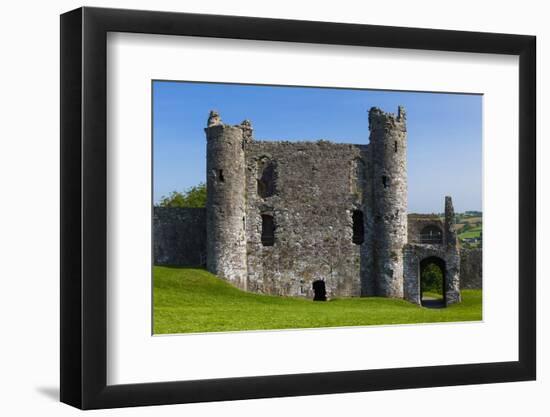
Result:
469,225
190,300
471,233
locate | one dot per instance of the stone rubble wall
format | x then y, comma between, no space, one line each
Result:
471,268
317,186
179,236
417,222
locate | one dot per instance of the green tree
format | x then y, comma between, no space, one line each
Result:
432,279
192,197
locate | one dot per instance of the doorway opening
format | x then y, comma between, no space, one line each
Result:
432,282
319,291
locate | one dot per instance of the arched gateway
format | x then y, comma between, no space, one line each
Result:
436,260
431,260
432,282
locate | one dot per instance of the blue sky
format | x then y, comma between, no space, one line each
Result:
444,132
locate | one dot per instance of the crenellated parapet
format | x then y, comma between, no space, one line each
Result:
379,119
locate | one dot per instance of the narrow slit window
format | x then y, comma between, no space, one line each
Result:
358,227
268,230
385,181
220,175
395,146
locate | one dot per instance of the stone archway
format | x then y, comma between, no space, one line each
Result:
432,287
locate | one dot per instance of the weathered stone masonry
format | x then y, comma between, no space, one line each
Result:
282,215
225,205
388,139
314,191
179,236
431,239
471,267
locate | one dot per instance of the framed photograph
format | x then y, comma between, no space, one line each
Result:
261,208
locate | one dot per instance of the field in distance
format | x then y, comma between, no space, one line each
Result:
469,226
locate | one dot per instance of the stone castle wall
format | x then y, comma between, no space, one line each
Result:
311,190
179,236
419,222
471,268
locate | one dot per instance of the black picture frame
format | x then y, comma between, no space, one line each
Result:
84,207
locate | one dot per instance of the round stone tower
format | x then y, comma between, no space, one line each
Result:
225,202
388,142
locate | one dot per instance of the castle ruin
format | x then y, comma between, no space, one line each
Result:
281,216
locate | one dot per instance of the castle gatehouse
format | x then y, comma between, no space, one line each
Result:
281,216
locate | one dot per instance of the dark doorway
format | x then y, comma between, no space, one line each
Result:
319,290
432,282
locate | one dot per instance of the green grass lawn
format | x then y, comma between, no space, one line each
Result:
190,300
432,294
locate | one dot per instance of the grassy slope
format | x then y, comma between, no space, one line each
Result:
193,300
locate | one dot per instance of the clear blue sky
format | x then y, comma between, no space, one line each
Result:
444,132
